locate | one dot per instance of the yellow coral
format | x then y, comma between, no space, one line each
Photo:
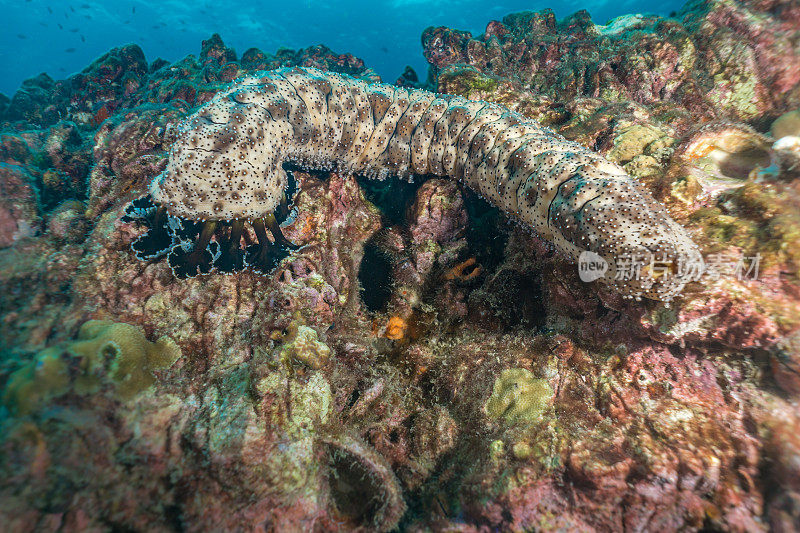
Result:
634,139
518,397
125,352
786,125
303,345
103,348
43,377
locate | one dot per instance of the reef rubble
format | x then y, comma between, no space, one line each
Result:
420,362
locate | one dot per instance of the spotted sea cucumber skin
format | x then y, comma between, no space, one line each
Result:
227,163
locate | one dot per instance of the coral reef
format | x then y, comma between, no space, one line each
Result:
420,361
122,79
716,59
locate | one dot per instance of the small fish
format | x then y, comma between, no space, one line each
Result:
127,21
42,24
87,17
72,9
69,50
60,27
50,10
85,6
74,30
385,50
83,39
133,9
22,36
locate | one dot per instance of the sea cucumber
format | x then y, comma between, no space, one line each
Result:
226,169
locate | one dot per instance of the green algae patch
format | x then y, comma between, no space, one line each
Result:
737,92
518,397
104,350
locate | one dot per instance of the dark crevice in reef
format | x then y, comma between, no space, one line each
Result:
352,490
364,490
515,298
174,516
391,196
441,494
487,232
375,277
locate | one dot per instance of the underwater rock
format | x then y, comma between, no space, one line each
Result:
786,125
614,412
32,101
717,59
128,149
19,205
437,221
785,361
67,160
67,222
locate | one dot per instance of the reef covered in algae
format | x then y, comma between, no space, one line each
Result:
421,362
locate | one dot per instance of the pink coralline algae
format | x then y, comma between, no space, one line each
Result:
419,362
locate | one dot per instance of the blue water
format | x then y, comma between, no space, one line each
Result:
61,38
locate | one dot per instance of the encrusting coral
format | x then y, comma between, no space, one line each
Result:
518,397
301,344
103,351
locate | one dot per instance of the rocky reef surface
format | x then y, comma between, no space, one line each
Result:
421,363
